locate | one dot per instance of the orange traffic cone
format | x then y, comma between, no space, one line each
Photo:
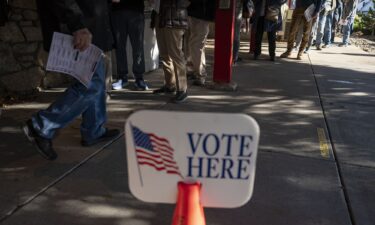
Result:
189,210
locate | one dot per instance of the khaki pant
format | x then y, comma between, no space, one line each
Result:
195,45
172,57
298,18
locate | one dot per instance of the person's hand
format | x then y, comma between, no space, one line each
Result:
82,39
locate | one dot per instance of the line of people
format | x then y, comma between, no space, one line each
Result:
328,17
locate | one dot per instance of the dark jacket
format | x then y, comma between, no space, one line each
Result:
76,14
134,5
202,9
173,14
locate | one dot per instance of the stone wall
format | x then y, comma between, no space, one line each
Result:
21,52
20,44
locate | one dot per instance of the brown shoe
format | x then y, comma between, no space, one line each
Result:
285,54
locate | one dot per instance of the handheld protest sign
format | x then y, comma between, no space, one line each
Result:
218,150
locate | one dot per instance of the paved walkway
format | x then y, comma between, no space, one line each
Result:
316,163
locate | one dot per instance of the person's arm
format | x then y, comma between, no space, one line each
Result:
69,12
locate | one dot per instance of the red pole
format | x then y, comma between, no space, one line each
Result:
224,33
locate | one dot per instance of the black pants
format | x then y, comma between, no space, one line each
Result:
128,23
259,36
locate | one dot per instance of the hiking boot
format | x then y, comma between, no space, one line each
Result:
107,136
285,54
141,85
42,145
181,96
165,90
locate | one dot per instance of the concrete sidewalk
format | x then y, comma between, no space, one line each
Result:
316,163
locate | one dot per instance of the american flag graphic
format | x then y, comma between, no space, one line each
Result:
154,151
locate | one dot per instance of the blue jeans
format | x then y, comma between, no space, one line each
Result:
324,28
129,23
346,31
77,100
328,28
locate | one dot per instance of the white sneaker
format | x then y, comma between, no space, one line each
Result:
120,84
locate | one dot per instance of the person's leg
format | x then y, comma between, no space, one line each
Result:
272,44
95,114
299,36
259,37
120,30
174,38
237,32
296,17
170,81
199,30
136,36
328,29
312,36
75,100
253,38
346,32
320,29
305,37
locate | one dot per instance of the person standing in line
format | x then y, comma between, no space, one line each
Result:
201,13
266,23
348,15
336,19
88,21
325,25
297,18
171,21
128,20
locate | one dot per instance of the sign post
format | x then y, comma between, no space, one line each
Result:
224,34
193,159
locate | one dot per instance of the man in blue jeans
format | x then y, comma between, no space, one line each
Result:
128,20
349,12
88,21
324,29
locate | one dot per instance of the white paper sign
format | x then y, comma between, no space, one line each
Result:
217,149
64,58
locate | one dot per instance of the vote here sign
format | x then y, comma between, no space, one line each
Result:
217,149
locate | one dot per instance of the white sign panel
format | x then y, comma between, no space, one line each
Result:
217,149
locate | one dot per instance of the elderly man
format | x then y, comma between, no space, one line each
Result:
88,21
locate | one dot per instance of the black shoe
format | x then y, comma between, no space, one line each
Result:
256,57
199,82
272,58
165,90
107,136
43,145
181,96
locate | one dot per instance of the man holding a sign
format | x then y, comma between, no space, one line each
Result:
88,21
